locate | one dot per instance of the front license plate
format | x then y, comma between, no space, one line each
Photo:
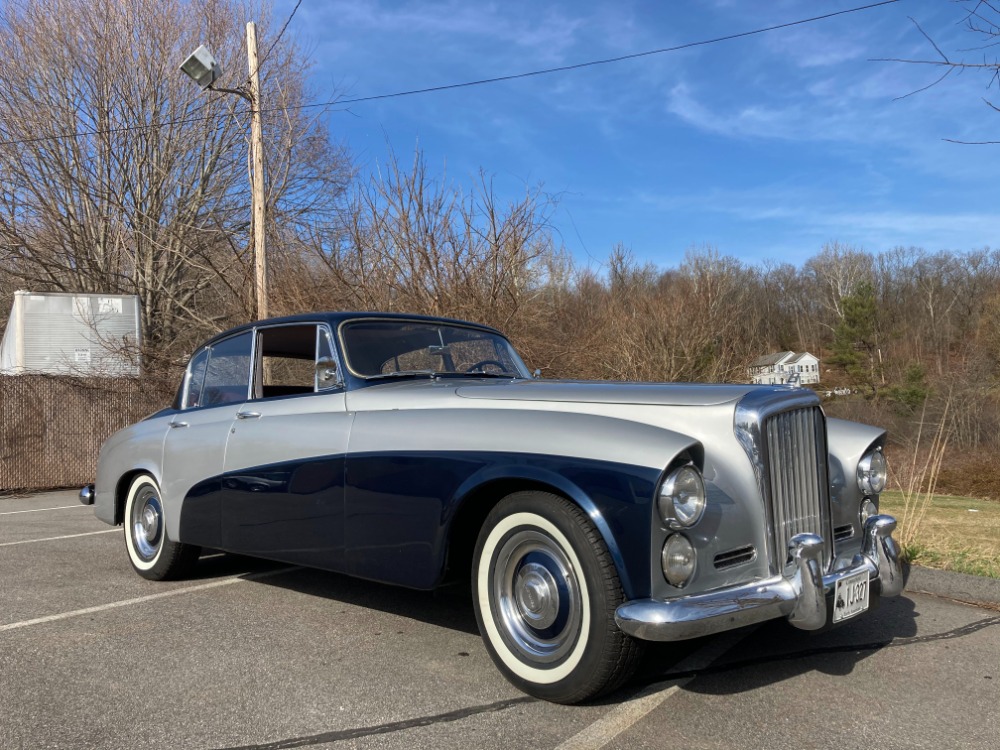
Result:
850,597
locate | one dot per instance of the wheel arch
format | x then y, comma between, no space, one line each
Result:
477,497
122,487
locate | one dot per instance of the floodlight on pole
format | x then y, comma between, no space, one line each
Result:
204,70
202,67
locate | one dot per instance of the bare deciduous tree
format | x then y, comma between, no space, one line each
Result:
120,176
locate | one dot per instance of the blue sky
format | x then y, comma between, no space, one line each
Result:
764,148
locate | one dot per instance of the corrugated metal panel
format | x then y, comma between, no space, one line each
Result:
70,334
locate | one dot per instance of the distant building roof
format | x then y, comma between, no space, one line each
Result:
771,359
798,357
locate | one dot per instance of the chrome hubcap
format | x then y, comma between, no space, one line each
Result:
147,524
150,523
536,598
537,595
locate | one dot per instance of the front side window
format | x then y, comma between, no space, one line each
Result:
288,357
392,348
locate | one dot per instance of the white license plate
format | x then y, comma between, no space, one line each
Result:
850,596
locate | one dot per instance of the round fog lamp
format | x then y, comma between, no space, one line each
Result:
872,473
678,559
868,510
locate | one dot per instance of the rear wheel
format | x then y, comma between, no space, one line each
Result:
545,590
152,553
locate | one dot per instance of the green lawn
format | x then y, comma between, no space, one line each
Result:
955,533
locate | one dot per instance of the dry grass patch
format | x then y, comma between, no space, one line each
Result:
953,533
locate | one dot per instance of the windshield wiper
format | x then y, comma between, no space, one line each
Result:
440,374
406,374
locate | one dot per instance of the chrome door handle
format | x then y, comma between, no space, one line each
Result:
175,425
248,415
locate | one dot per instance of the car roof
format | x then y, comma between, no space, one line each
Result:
336,318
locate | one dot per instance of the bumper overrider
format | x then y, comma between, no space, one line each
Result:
803,598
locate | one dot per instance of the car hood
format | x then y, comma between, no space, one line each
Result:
607,392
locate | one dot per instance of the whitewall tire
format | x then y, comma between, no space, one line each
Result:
545,592
150,550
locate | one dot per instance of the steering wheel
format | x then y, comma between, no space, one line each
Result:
482,363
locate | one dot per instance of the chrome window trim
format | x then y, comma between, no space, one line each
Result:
324,328
185,390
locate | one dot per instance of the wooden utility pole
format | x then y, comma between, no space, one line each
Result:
257,174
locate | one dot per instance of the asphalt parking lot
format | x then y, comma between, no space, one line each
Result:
259,655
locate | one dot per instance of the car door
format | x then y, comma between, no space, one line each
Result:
283,488
216,384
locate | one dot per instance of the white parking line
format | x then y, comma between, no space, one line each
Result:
39,510
147,598
624,715
55,538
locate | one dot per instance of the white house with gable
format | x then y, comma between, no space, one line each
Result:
776,369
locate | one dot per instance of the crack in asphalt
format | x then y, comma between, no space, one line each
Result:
395,726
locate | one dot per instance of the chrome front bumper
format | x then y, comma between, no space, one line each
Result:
87,495
801,598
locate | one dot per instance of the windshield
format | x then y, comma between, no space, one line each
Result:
394,348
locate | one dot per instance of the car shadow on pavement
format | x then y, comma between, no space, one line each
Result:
776,651
449,606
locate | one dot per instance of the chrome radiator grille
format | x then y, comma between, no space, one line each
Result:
796,465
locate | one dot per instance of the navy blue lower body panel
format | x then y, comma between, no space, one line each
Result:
386,517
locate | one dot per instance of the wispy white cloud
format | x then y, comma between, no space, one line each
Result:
805,213
547,35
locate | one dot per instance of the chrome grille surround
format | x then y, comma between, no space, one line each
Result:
796,458
784,434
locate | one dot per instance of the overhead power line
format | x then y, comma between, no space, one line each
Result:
607,61
280,34
466,84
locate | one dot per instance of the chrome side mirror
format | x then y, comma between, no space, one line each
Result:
326,373
536,374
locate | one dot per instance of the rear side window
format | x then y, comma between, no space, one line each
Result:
227,377
195,379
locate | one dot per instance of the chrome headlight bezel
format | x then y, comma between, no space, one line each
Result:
873,472
681,500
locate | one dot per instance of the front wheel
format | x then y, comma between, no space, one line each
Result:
152,553
545,590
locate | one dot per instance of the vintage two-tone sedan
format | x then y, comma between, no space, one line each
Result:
590,516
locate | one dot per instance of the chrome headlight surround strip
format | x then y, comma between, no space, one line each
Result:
873,472
671,501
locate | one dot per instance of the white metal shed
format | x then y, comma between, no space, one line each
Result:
72,334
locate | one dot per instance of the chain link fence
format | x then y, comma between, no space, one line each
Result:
51,428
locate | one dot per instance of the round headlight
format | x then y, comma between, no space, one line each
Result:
868,510
682,497
678,560
872,472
